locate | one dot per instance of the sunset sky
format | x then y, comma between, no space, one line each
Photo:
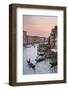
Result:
39,25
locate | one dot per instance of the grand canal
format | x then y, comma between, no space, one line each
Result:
43,67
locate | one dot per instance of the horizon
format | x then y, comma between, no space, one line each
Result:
36,25
35,35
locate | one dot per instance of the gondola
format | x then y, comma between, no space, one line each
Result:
31,64
53,64
40,59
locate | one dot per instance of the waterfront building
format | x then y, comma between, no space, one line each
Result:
52,39
24,37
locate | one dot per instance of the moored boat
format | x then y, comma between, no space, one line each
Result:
40,58
31,64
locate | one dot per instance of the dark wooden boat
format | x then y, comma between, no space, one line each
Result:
53,64
51,55
31,64
40,59
40,54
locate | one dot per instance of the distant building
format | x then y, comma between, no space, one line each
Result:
52,40
35,39
32,39
24,37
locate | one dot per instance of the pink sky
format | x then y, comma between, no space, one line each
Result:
39,25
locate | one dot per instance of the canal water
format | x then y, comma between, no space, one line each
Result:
43,67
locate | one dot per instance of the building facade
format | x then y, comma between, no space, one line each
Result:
52,40
24,37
